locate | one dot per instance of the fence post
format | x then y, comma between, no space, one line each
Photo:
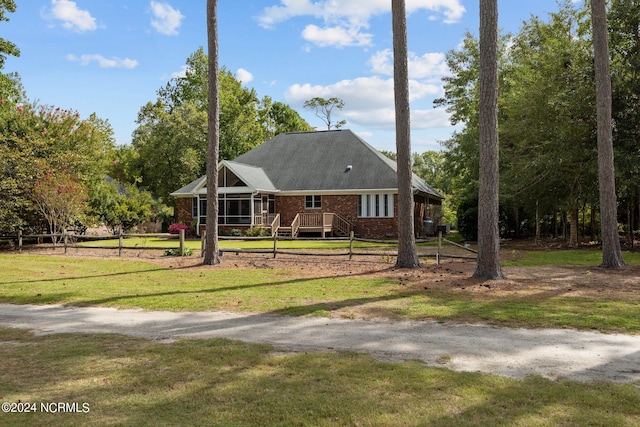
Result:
65,239
275,244
19,240
182,242
203,243
350,245
120,242
439,246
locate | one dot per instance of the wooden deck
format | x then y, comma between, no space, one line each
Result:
324,223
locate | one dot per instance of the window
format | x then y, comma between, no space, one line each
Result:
312,202
375,206
194,207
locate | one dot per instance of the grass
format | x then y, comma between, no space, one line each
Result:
136,382
154,242
33,279
561,257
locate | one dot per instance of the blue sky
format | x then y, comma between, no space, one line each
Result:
110,57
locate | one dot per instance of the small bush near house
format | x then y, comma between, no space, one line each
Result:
233,232
176,252
257,232
175,228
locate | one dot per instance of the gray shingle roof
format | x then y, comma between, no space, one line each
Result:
316,161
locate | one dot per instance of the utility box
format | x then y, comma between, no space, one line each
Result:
444,228
428,227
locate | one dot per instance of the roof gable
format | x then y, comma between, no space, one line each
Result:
315,161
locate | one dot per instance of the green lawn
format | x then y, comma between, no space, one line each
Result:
562,257
120,380
130,283
137,382
154,242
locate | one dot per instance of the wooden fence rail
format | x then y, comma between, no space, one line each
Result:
68,240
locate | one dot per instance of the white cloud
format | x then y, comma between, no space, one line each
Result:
429,65
180,74
102,61
166,20
338,36
344,19
71,16
244,76
369,100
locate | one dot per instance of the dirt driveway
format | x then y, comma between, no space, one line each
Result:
553,353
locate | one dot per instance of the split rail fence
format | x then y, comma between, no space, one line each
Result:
386,248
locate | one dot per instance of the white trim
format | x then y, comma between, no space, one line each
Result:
351,192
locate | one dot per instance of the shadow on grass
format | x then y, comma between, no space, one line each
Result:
130,381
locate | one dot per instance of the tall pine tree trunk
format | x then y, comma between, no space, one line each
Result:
407,252
211,255
611,251
488,211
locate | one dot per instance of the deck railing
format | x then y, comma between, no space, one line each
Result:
275,224
295,226
316,222
341,225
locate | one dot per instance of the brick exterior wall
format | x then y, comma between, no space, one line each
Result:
344,205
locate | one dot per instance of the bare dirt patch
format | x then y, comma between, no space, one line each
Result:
451,275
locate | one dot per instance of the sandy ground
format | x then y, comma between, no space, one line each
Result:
552,353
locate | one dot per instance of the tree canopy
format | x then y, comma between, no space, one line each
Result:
169,145
547,118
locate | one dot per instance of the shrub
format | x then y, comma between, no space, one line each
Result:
176,252
257,232
175,228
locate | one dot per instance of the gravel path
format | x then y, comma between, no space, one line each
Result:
552,353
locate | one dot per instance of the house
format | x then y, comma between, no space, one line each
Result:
329,182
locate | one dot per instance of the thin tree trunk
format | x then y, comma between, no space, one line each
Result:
488,206
573,228
407,252
537,242
611,251
211,255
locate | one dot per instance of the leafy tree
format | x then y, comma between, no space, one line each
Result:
547,132
36,138
279,118
488,266
611,251
624,23
170,142
407,252
121,207
170,148
7,47
60,198
324,109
